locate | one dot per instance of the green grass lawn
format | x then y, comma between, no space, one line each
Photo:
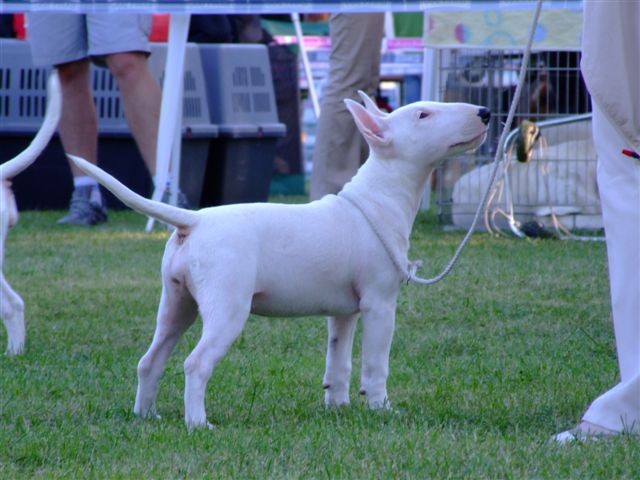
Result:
485,367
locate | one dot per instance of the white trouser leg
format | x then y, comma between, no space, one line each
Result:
617,409
619,185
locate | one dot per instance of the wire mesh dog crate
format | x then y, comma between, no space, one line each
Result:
557,176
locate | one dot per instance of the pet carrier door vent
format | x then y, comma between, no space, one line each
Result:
32,106
5,78
192,108
241,102
240,77
33,78
257,77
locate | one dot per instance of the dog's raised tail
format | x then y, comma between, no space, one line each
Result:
21,161
178,217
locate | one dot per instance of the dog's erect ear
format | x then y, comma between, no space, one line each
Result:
371,105
373,127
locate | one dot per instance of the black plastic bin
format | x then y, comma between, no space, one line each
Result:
242,105
240,166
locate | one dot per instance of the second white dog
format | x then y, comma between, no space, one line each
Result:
343,255
11,304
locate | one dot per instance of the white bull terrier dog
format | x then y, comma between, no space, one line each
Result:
11,304
342,255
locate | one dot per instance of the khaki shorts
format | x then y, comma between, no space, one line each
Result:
57,38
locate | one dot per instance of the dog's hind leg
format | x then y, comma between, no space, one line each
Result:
377,333
176,313
12,313
222,322
338,368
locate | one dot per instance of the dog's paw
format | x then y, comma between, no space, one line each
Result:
336,403
148,415
15,345
387,411
191,427
381,405
335,399
197,422
14,351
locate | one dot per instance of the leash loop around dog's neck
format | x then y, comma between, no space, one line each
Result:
413,267
398,263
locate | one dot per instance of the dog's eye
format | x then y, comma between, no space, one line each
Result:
423,115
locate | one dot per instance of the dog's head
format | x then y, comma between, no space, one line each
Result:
421,132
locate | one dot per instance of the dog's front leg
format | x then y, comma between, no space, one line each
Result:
338,368
377,333
12,313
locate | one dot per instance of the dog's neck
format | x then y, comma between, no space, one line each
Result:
388,194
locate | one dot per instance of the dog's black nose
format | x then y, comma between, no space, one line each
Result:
485,115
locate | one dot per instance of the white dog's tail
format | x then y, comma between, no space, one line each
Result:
17,164
178,217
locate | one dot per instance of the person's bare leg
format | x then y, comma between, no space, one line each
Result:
78,125
78,129
141,98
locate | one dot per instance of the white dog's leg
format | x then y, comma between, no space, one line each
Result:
220,327
176,313
337,374
377,334
12,313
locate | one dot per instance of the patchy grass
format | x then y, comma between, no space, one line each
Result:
485,367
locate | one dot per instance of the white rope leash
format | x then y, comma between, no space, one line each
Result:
413,266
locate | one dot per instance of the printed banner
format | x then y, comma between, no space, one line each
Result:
557,29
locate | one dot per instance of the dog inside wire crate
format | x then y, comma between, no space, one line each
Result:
559,175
